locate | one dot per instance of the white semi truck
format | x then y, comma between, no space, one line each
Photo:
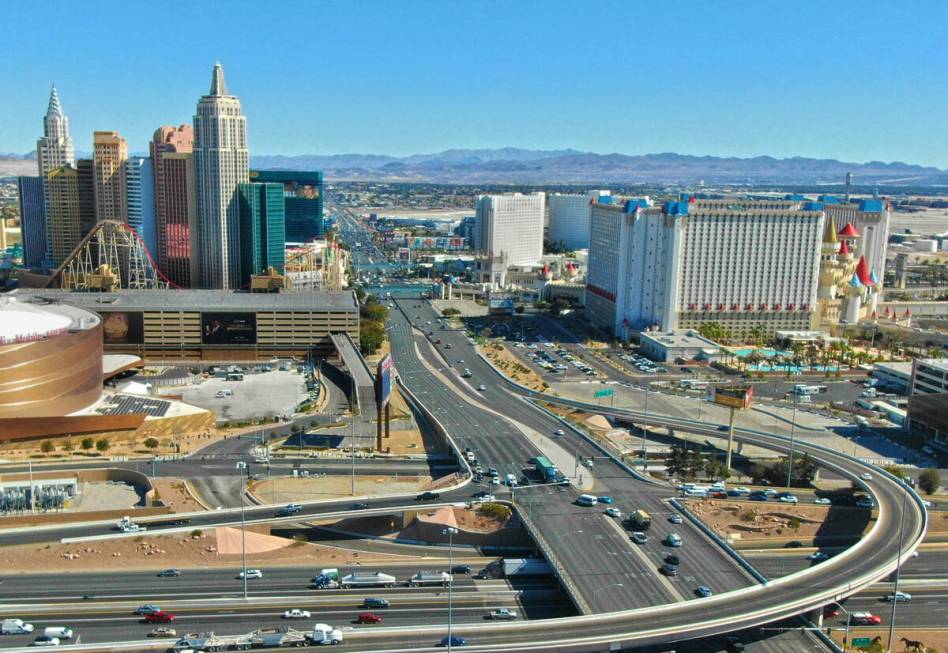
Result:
376,579
321,634
423,578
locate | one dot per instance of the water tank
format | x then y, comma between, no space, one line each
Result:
926,245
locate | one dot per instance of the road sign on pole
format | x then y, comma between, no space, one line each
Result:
608,392
861,642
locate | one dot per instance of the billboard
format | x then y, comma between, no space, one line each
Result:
734,396
229,328
383,380
404,254
501,306
122,328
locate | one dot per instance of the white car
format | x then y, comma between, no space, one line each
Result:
560,432
866,476
823,501
251,573
898,596
495,480
788,499
296,613
614,512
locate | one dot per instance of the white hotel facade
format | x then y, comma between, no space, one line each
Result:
738,263
511,226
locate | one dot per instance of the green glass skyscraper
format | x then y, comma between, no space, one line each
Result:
303,201
262,229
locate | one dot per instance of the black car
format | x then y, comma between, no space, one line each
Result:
461,569
672,559
481,494
169,573
795,544
428,496
359,506
481,575
375,604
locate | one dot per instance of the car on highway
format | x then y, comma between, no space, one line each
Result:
296,613
368,618
865,502
673,539
495,480
639,537
675,518
250,573
482,387
290,509
169,573
866,476
559,432
672,559
461,569
454,641
822,501
46,640
758,496
428,496
788,499
502,614
14,626
898,597
163,631
614,512
147,608
669,569
605,499
160,617
359,506
864,619
703,591
586,500
375,604
818,556
794,544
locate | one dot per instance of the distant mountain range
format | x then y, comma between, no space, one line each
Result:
521,166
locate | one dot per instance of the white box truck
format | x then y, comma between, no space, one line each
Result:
15,627
527,567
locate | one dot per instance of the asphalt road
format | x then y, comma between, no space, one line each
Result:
610,572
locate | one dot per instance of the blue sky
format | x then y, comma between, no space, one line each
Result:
856,81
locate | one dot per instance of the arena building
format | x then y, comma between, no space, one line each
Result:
50,358
211,325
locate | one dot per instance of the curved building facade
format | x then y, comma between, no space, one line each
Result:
50,359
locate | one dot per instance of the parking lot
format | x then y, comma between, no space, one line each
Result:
264,394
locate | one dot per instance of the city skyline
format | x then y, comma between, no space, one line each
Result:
423,92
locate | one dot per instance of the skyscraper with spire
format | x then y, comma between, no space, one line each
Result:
53,151
221,163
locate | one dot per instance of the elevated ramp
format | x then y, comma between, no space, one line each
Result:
363,383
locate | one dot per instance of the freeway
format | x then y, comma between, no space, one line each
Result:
931,564
609,572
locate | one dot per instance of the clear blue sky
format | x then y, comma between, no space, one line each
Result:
856,81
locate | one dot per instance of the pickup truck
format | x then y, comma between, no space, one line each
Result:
502,614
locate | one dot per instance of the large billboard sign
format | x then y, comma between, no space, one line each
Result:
122,328
734,396
229,328
383,380
501,306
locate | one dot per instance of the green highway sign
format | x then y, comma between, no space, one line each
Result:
862,641
604,393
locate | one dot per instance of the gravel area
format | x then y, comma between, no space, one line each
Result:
266,394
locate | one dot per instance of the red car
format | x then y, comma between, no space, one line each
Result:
368,618
159,617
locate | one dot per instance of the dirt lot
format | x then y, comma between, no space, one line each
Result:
509,365
755,520
280,490
174,494
936,641
184,551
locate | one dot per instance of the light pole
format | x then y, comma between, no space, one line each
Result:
848,620
793,423
353,447
645,430
241,466
450,532
898,570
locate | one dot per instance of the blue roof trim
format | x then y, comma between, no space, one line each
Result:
828,199
794,198
871,206
813,206
632,205
605,199
676,208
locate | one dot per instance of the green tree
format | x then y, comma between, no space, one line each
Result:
895,470
360,293
559,305
47,447
374,311
449,312
151,443
87,443
68,445
929,481
102,444
371,336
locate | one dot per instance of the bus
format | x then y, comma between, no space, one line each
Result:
640,520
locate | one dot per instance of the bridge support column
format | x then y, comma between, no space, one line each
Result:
388,420
671,432
378,427
730,439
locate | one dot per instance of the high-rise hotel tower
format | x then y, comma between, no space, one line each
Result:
221,163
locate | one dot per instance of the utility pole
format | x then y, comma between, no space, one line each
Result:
793,423
352,446
898,570
450,532
645,430
241,466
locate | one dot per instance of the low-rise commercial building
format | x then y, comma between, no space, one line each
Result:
928,418
930,376
896,376
669,346
214,325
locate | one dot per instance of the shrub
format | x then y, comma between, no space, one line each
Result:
496,511
747,515
47,447
929,481
197,532
794,523
102,444
68,445
151,443
87,443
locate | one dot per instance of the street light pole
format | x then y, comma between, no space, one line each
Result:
898,570
450,532
352,446
793,424
241,466
645,430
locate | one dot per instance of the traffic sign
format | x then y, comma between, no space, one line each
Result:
862,641
604,393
